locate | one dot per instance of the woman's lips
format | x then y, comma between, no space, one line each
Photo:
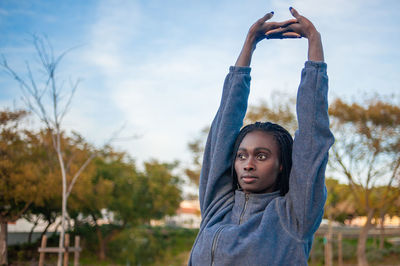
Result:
249,179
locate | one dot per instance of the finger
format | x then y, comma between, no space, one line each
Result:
279,30
286,35
287,22
266,17
291,35
294,12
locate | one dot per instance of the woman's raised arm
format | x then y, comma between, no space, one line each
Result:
215,179
303,207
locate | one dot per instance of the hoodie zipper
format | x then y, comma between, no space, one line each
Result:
246,199
214,244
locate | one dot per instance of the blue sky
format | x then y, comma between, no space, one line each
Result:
159,66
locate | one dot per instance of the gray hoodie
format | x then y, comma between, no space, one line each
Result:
264,229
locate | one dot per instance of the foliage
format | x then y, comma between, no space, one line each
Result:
340,205
152,245
119,196
29,183
21,167
349,247
48,97
144,245
279,110
132,196
76,149
368,144
196,147
367,154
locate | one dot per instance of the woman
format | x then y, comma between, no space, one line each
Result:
259,208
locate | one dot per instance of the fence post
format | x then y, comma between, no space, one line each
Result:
328,249
340,253
41,257
66,246
76,253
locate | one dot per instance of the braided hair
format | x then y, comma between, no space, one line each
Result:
285,145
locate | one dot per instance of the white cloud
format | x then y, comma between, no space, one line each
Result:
117,23
166,80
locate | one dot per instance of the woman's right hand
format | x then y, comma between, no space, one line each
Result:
257,32
301,26
304,28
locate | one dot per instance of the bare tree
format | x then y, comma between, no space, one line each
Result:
50,100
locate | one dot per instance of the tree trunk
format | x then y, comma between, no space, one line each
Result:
328,246
32,229
64,195
45,229
3,243
362,240
382,232
102,244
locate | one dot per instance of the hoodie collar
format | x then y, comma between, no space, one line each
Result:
247,204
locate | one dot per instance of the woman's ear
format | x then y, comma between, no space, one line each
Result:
280,168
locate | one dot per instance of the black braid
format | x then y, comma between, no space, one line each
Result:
285,144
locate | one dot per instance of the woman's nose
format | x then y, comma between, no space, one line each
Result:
249,165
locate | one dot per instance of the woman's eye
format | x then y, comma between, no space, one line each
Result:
261,156
241,156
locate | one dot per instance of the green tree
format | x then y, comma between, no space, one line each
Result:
280,110
121,197
77,150
49,99
21,170
340,204
196,148
367,154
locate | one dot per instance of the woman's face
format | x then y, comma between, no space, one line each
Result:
257,163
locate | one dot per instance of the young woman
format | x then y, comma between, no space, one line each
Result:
261,204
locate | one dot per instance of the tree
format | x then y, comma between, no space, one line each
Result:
21,169
76,150
50,101
340,205
196,147
367,154
125,197
277,111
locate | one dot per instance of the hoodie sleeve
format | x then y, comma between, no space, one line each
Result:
215,179
307,192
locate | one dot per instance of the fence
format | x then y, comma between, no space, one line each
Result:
66,250
336,234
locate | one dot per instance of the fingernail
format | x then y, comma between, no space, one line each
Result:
290,8
272,12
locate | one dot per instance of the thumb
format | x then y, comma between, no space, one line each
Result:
294,12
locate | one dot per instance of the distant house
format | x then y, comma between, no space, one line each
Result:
187,215
388,222
18,232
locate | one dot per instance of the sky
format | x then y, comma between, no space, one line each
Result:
158,67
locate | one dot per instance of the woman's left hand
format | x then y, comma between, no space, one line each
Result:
261,27
302,27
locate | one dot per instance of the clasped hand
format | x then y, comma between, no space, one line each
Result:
297,27
292,28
